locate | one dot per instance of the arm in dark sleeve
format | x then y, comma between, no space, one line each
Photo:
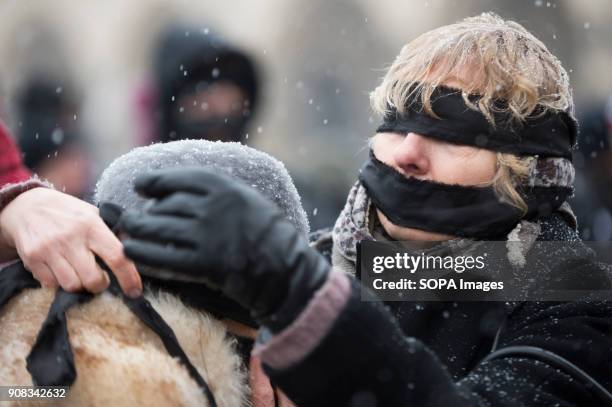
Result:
363,358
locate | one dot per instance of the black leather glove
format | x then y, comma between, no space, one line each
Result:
216,229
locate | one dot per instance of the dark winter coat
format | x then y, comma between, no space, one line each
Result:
433,354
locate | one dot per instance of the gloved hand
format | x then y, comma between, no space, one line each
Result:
218,230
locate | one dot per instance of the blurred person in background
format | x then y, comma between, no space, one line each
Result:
593,198
49,138
202,88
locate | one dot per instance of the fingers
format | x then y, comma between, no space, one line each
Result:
180,204
158,255
92,277
158,184
42,273
106,245
76,271
159,228
65,274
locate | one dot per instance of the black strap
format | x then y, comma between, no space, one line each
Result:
557,362
51,362
147,314
111,213
13,279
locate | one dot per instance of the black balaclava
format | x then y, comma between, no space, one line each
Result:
190,59
469,211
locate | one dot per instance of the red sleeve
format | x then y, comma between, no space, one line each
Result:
11,167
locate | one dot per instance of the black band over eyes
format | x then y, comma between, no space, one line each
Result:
547,134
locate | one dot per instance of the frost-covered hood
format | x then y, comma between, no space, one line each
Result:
256,168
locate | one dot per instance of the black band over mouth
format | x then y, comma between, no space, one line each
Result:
457,210
547,134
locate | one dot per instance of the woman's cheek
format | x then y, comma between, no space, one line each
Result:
463,165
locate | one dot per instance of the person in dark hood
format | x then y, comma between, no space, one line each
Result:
206,89
475,144
49,138
593,200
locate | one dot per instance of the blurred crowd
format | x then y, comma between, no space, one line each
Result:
199,84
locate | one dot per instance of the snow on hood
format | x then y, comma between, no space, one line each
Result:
257,169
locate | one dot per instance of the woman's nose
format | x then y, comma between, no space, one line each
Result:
411,156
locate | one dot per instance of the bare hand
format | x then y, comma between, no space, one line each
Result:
57,237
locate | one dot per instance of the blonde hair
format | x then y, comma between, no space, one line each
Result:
492,58
511,171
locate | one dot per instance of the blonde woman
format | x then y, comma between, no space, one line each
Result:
475,143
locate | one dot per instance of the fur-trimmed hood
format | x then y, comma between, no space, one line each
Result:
119,361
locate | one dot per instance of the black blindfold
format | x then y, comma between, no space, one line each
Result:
545,133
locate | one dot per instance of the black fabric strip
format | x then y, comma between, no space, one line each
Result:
147,314
51,362
455,210
552,134
13,279
142,308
